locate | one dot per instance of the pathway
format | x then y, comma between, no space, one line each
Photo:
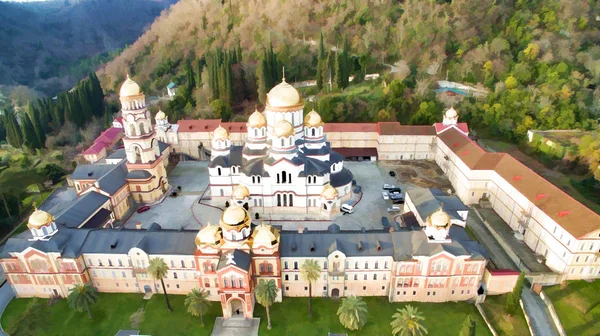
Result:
6,294
539,316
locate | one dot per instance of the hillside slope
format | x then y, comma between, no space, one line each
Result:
40,41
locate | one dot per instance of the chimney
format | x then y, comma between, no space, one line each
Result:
138,225
301,229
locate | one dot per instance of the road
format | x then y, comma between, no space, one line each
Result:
6,294
539,316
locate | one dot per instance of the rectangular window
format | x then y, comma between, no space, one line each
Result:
296,277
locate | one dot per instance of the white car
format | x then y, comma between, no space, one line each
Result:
385,195
347,208
388,186
393,208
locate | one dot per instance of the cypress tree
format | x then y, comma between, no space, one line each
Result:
34,117
2,130
84,96
107,118
73,112
261,81
339,71
327,69
191,83
320,63
468,328
13,131
345,65
30,139
97,95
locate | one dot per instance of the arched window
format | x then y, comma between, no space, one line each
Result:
283,177
290,178
284,200
278,179
293,119
285,265
219,171
258,179
256,132
313,132
282,142
253,179
291,200
269,268
279,200
132,129
262,268
45,230
142,129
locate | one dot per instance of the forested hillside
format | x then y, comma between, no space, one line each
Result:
46,45
539,59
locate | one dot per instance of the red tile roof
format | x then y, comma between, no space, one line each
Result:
198,125
96,148
394,128
569,213
504,272
350,127
440,127
356,151
110,135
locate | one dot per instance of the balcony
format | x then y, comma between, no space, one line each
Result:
335,272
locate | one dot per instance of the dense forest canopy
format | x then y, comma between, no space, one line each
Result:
50,45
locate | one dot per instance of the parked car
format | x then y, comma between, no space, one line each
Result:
388,186
393,208
392,173
143,209
398,201
395,195
174,194
396,190
385,222
346,208
385,195
357,189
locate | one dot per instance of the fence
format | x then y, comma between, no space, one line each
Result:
480,310
553,314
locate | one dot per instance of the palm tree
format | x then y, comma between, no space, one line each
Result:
407,322
158,270
352,312
83,297
266,292
310,271
197,303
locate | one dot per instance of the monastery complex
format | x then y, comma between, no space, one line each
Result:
283,160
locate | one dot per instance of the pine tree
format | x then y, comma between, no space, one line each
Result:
30,139
320,63
339,71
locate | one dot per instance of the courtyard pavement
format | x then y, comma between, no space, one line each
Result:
6,295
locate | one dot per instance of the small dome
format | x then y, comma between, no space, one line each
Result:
257,120
329,193
451,113
234,215
240,192
283,128
129,88
161,115
39,218
265,235
210,234
313,119
439,219
220,133
283,95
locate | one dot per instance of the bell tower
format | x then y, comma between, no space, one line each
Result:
147,174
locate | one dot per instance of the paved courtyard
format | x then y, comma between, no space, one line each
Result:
185,210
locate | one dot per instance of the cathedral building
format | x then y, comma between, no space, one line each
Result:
286,162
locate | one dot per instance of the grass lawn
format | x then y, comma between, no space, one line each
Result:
290,317
494,308
572,304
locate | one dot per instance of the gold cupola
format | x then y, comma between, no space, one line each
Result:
209,235
160,115
329,193
313,119
39,218
129,88
265,236
284,98
240,192
257,120
220,133
235,216
439,219
283,128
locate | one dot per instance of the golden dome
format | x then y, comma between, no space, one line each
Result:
283,128
210,234
439,219
257,120
220,133
283,95
234,215
39,218
265,235
240,192
313,119
451,113
329,192
161,115
129,88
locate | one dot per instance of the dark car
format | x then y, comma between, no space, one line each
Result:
392,173
398,201
395,190
143,209
357,189
385,222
